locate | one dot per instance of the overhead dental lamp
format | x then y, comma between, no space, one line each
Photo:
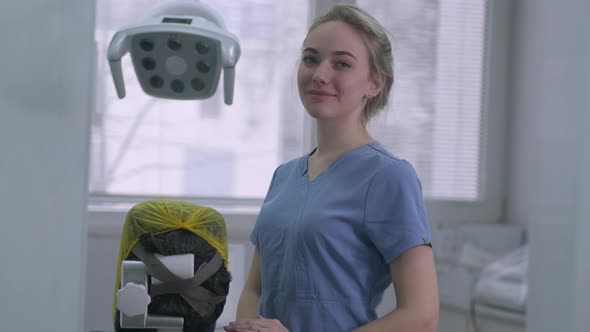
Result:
178,52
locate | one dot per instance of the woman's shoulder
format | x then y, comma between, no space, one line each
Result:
390,167
388,161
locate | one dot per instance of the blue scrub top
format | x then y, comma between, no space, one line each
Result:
325,245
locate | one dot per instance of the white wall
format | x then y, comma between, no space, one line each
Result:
549,187
45,68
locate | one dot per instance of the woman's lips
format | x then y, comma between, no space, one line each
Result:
321,93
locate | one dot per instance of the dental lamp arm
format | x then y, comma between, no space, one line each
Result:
119,46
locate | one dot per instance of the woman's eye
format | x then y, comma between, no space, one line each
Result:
342,65
309,60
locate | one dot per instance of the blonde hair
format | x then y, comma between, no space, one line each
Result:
377,43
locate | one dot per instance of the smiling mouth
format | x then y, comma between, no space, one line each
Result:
321,94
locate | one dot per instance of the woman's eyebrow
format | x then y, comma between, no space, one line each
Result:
344,53
311,50
314,51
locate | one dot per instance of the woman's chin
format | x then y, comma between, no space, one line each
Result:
318,111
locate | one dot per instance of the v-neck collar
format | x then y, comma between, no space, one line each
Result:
304,162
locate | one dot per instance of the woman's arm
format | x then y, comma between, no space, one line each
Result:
416,291
250,297
247,318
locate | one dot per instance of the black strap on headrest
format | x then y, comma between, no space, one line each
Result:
200,299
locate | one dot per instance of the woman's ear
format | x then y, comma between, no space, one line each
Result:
376,85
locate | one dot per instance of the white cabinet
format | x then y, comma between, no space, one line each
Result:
489,320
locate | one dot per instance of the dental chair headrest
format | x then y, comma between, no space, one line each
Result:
167,228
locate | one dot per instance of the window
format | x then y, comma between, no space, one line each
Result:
434,119
439,117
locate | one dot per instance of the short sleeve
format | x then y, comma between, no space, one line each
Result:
254,233
395,216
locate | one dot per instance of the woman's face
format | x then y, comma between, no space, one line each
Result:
334,77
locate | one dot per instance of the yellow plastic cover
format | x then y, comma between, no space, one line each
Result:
162,216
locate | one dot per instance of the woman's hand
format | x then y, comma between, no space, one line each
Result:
259,324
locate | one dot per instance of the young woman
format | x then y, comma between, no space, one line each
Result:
341,223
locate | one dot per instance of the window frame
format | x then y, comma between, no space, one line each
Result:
490,208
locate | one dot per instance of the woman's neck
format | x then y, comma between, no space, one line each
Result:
335,139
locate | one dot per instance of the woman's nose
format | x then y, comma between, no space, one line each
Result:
321,75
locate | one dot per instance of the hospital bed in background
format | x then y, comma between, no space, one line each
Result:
482,277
